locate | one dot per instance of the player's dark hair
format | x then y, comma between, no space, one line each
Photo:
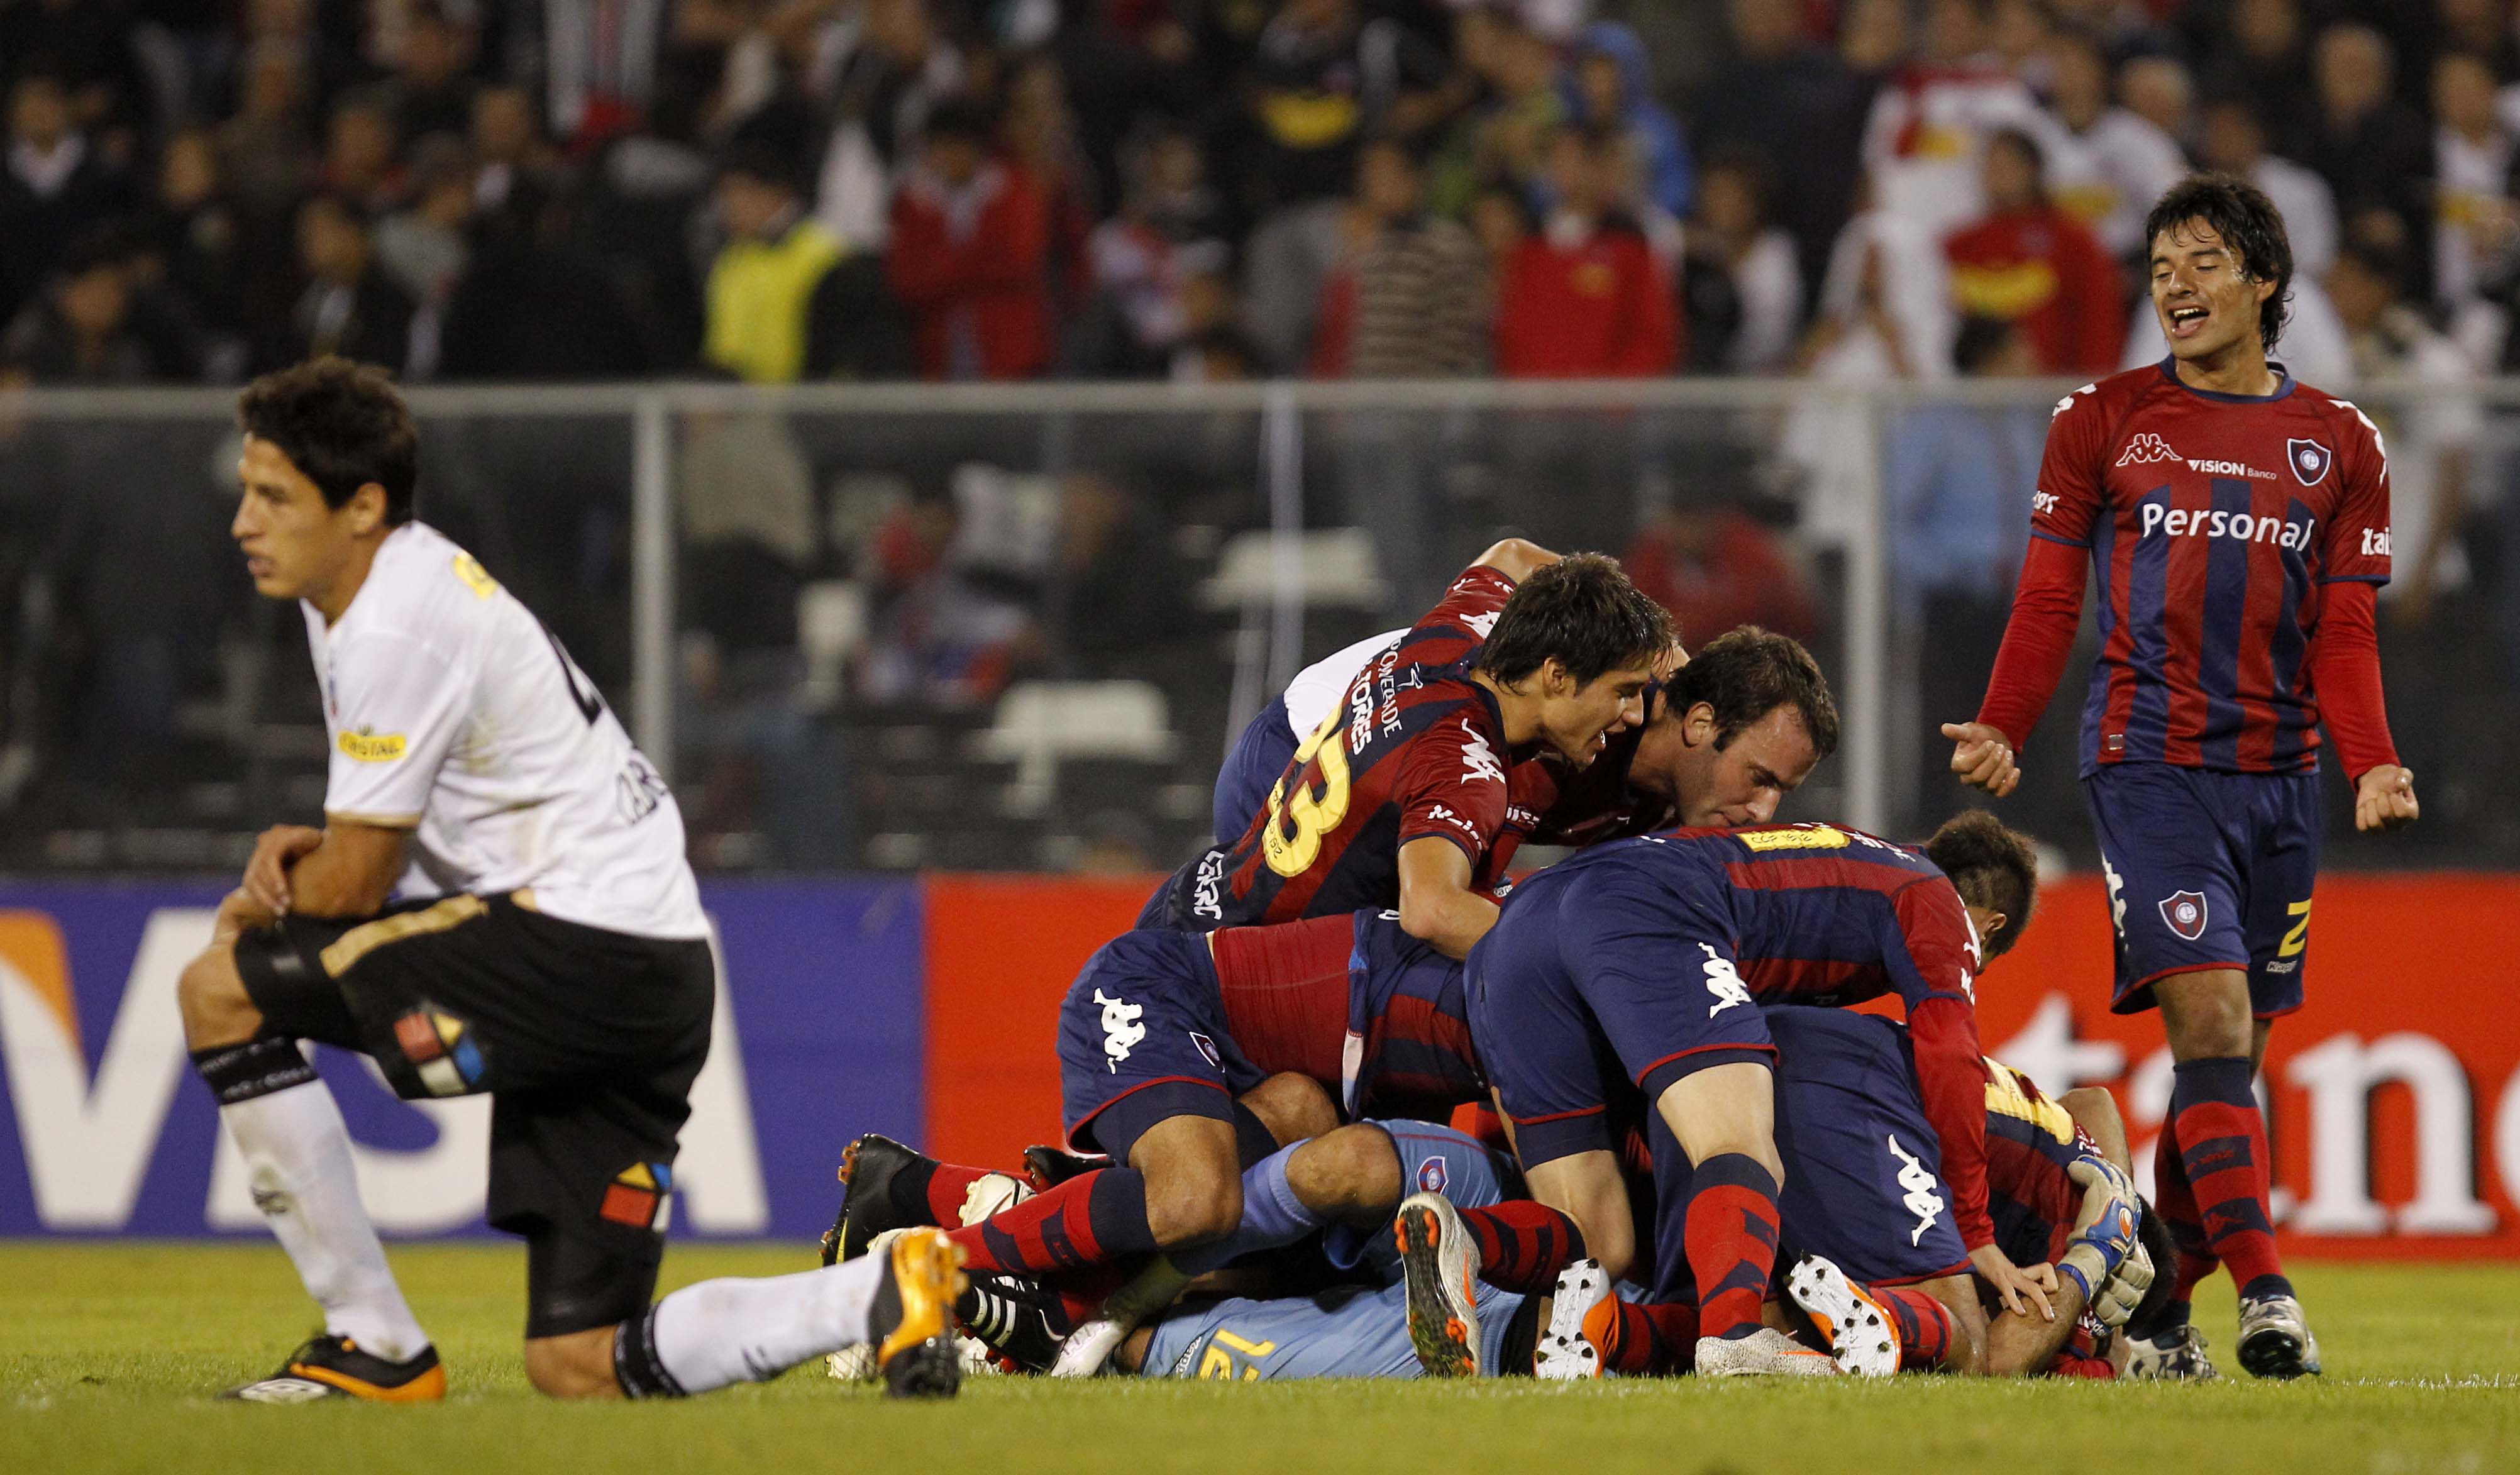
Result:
1992,867
2249,224
343,426
1581,609
2153,1232
1745,674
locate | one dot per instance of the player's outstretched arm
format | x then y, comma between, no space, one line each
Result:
1517,559
1437,904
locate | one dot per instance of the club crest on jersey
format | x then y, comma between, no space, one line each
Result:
2184,912
1207,1048
2146,448
2309,461
1432,1176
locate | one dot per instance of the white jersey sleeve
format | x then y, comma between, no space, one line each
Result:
400,706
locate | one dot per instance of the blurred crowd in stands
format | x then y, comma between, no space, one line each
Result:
777,190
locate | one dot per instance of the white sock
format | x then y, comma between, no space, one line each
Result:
297,1161
749,1331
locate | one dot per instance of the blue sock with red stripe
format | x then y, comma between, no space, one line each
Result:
1092,1219
1731,1234
2222,1148
1522,1245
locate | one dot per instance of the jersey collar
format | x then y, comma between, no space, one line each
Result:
2283,388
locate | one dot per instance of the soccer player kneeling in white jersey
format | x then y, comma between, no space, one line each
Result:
496,902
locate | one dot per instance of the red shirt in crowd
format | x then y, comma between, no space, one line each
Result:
972,264
2046,273
1595,307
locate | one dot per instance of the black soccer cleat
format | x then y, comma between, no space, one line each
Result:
333,1367
1048,1167
867,1169
911,1323
1008,1314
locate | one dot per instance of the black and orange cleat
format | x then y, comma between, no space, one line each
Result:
1441,1267
912,1321
867,1170
335,1367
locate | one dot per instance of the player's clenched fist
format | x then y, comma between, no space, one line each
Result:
2385,798
1982,756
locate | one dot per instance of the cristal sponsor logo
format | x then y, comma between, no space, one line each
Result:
2042,502
2244,527
1121,1030
2375,543
1919,1185
1479,761
374,748
2145,448
1723,981
2230,469
1798,837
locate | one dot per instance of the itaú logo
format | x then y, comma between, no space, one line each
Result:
2179,522
89,1136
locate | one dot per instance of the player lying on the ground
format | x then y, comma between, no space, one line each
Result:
2237,522
1655,952
1863,1218
547,947
1400,797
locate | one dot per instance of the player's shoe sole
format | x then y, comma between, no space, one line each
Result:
1441,1268
1862,1338
1572,1346
1764,1353
329,1367
2276,1340
2174,1355
912,1321
867,1170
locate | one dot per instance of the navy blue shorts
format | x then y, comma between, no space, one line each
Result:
1597,989
1258,761
2206,870
1864,1172
1143,1025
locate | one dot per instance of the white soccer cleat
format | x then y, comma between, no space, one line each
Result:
2276,1340
1764,1353
1441,1267
1862,1338
991,1193
2173,1355
1566,1350
852,1364
1089,1348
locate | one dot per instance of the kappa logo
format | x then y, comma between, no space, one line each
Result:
1478,760
1121,1031
2146,448
1432,1176
2117,895
1481,624
2309,461
1920,1184
2185,912
1723,981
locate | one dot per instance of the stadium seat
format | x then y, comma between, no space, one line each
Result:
1040,723
1335,568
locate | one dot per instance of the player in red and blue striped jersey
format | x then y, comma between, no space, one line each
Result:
1649,956
1402,797
2237,522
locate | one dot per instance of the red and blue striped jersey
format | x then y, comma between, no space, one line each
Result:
2032,1144
1416,749
1374,1015
2214,522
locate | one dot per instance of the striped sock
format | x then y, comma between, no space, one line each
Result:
1924,1323
1092,1219
2176,1202
1640,1340
935,1189
1732,1240
2223,1148
1522,1245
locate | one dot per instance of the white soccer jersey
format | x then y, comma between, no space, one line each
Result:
451,712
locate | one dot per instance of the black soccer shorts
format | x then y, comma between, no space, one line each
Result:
585,1040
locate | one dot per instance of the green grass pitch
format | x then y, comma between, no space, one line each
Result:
108,1354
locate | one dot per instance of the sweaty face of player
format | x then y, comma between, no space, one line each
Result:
1741,783
295,546
1578,720
2202,293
